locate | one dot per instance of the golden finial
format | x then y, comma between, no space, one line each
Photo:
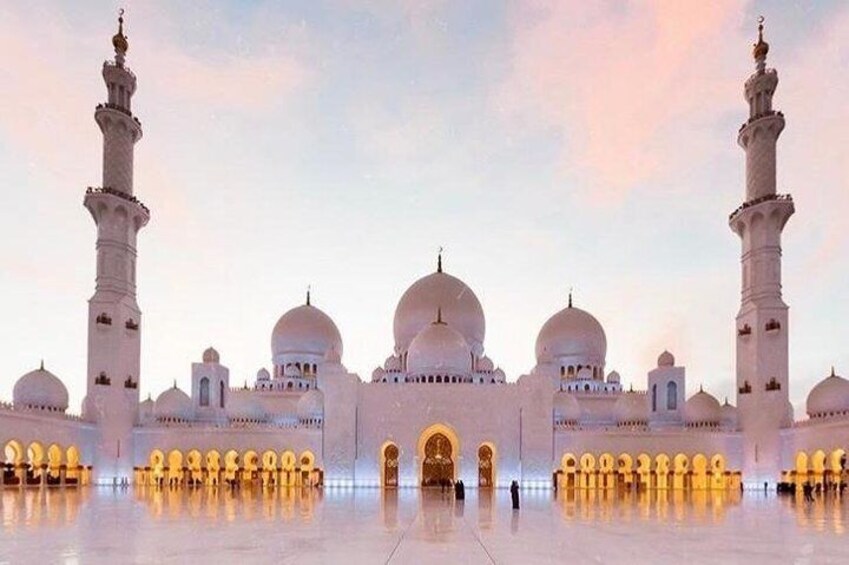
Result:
119,40
309,287
761,47
439,261
570,297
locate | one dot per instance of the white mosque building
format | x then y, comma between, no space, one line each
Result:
438,407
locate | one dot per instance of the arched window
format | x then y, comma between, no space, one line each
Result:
654,398
204,392
221,394
671,395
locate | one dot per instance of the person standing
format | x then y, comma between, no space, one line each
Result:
514,494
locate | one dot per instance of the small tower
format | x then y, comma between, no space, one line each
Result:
667,385
114,324
210,386
762,322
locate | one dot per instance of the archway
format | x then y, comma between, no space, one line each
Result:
486,465
644,470
13,453
818,466
269,468
569,471
588,473
307,466
54,464
606,471
438,451
213,468
389,465
73,473
838,464
35,459
662,471
681,466
157,466
625,471
700,463
231,465
175,467
717,472
193,463
287,468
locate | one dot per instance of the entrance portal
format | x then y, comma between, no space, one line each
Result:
438,464
485,478
390,465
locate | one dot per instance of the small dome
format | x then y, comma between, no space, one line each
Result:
311,405
439,350
377,375
613,377
460,308
244,406
305,330
566,407
666,359
392,363
631,408
729,416
499,375
574,334
211,355
146,409
40,389
829,396
173,404
263,375
702,408
485,364
585,374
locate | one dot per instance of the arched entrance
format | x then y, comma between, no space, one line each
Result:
390,465
486,466
438,462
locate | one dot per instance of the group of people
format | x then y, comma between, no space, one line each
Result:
810,490
460,490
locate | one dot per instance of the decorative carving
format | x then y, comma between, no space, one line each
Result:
438,465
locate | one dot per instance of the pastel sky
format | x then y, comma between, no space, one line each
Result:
544,144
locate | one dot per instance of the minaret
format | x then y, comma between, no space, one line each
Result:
762,324
114,318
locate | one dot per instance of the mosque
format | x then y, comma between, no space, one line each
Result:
438,407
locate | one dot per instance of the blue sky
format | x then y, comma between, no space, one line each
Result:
545,145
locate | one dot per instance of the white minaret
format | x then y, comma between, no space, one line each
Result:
114,318
762,324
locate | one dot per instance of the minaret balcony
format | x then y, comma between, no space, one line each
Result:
786,199
759,116
118,108
94,193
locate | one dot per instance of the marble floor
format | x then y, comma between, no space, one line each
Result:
145,525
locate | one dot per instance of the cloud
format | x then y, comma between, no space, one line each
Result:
629,86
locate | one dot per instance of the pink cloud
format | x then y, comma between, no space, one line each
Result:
628,84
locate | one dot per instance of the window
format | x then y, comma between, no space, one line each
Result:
672,395
204,392
654,398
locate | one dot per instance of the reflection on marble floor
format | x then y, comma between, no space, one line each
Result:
372,526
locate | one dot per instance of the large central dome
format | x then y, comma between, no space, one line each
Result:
460,309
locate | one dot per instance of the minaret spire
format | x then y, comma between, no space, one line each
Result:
761,48
119,41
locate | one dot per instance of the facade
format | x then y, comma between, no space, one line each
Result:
438,407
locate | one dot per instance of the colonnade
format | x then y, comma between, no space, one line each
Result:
38,466
232,468
823,469
643,472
